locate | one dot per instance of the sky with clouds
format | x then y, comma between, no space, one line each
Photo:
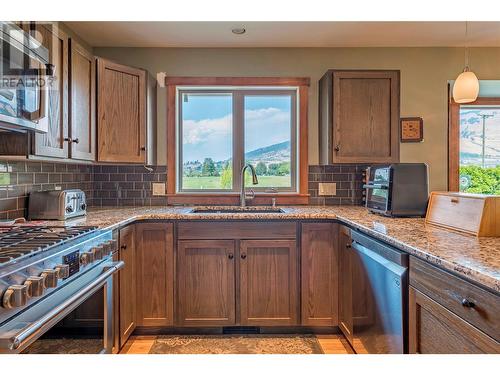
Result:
207,124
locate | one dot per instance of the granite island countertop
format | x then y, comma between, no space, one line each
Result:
475,259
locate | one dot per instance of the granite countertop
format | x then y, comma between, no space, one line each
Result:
476,259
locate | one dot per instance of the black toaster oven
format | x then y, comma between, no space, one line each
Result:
399,190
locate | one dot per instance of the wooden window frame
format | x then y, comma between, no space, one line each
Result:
454,137
301,196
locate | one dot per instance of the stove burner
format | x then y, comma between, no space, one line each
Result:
21,241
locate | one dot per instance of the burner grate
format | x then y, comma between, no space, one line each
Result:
21,241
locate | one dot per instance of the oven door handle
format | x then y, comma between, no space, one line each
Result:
48,320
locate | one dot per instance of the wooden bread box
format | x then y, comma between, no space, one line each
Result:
475,214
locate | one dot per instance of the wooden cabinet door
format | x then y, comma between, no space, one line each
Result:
365,116
268,283
433,329
319,271
345,283
82,103
127,283
155,274
53,143
205,283
121,119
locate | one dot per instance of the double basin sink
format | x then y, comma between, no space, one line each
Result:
236,210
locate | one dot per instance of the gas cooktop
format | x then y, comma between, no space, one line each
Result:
17,242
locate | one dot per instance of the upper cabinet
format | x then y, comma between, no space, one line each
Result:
55,142
123,106
359,116
82,131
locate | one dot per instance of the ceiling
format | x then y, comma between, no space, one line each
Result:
287,34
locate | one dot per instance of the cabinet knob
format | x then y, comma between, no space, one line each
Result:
243,256
68,139
337,148
230,256
468,303
143,148
76,140
123,247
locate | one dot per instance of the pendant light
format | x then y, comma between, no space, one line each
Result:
466,86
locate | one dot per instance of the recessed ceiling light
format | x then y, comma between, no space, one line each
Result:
239,30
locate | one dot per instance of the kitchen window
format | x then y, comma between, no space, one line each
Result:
218,128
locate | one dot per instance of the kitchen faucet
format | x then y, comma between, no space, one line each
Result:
255,181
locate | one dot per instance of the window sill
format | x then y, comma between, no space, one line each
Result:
232,199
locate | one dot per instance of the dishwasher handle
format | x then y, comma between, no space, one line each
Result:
395,268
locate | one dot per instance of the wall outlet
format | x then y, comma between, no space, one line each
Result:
327,188
158,188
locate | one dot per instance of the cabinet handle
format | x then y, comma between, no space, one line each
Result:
243,256
76,140
468,303
123,247
337,148
230,256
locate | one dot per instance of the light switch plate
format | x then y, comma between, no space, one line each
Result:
327,188
158,188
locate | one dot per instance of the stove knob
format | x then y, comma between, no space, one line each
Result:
15,296
83,206
62,271
50,278
36,286
69,209
86,258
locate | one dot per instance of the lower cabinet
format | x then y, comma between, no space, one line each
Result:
206,283
127,283
319,274
268,283
345,283
155,274
436,330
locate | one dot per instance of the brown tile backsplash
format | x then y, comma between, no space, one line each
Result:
131,185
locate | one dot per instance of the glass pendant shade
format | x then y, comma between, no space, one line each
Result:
466,87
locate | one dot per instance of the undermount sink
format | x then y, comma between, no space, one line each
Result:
236,210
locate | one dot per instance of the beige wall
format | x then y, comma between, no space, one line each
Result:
424,76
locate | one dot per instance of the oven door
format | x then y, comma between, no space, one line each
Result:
36,330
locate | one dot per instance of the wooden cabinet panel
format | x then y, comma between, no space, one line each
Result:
345,283
128,283
319,271
82,103
53,143
233,230
121,105
435,330
450,291
360,123
206,283
155,270
268,283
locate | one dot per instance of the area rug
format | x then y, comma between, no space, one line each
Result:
65,346
236,344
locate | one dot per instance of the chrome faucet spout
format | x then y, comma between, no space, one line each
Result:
255,181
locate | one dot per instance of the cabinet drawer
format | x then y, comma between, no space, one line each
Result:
230,230
450,291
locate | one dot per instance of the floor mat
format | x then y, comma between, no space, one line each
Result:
65,346
236,344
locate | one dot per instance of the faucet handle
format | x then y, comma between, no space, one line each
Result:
250,194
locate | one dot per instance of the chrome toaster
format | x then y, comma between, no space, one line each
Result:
57,204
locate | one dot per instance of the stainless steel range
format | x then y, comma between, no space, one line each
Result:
46,273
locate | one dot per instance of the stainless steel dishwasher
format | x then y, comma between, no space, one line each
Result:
379,296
